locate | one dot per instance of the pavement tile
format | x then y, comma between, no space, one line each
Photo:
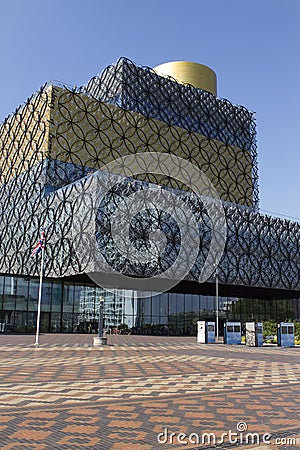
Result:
67,394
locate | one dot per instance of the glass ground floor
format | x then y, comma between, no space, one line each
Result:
71,307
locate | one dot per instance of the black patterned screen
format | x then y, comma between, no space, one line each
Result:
54,146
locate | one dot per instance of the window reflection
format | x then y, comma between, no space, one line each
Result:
72,307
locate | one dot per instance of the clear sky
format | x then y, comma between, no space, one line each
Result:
252,45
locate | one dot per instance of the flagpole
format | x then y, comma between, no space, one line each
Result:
39,300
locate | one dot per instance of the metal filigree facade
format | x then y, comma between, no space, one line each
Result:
230,129
54,146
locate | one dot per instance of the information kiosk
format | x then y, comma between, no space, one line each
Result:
254,334
286,334
232,333
206,332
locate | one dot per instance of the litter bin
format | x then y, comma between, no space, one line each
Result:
254,334
206,332
286,334
232,333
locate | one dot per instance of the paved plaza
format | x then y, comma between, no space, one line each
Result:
146,392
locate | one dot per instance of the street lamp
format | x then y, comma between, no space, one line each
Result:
100,339
100,322
217,302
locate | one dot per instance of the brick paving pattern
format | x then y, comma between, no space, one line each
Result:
68,394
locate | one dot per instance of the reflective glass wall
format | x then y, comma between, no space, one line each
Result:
74,308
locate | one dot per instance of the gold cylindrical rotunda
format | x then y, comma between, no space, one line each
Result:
198,75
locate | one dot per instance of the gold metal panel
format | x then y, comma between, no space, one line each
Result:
197,75
24,136
75,128
91,133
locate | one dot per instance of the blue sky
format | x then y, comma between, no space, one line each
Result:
252,45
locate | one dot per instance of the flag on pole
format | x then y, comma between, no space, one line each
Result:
39,246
